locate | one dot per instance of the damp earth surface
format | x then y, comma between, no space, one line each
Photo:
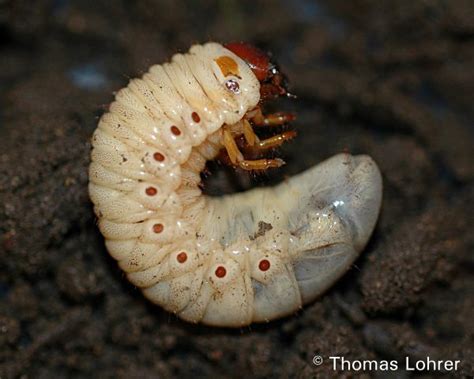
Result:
393,80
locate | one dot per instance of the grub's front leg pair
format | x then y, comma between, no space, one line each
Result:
254,143
238,159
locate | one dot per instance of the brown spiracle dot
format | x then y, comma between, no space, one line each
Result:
158,157
175,130
220,271
151,191
158,228
182,257
232,85
264,265
195,117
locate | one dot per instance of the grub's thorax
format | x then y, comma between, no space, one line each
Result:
240,139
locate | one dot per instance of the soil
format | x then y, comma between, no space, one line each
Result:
391,79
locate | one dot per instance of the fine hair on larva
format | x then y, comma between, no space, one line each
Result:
231,260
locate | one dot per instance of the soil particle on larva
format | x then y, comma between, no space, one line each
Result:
263,227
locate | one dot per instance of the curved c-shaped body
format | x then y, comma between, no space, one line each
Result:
226,261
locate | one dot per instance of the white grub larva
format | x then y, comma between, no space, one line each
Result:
231,260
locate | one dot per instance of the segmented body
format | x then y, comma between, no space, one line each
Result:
223,261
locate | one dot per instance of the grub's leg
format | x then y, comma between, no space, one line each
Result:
232,149
274,141
249,134
273,119
256,144
237,158
261,164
